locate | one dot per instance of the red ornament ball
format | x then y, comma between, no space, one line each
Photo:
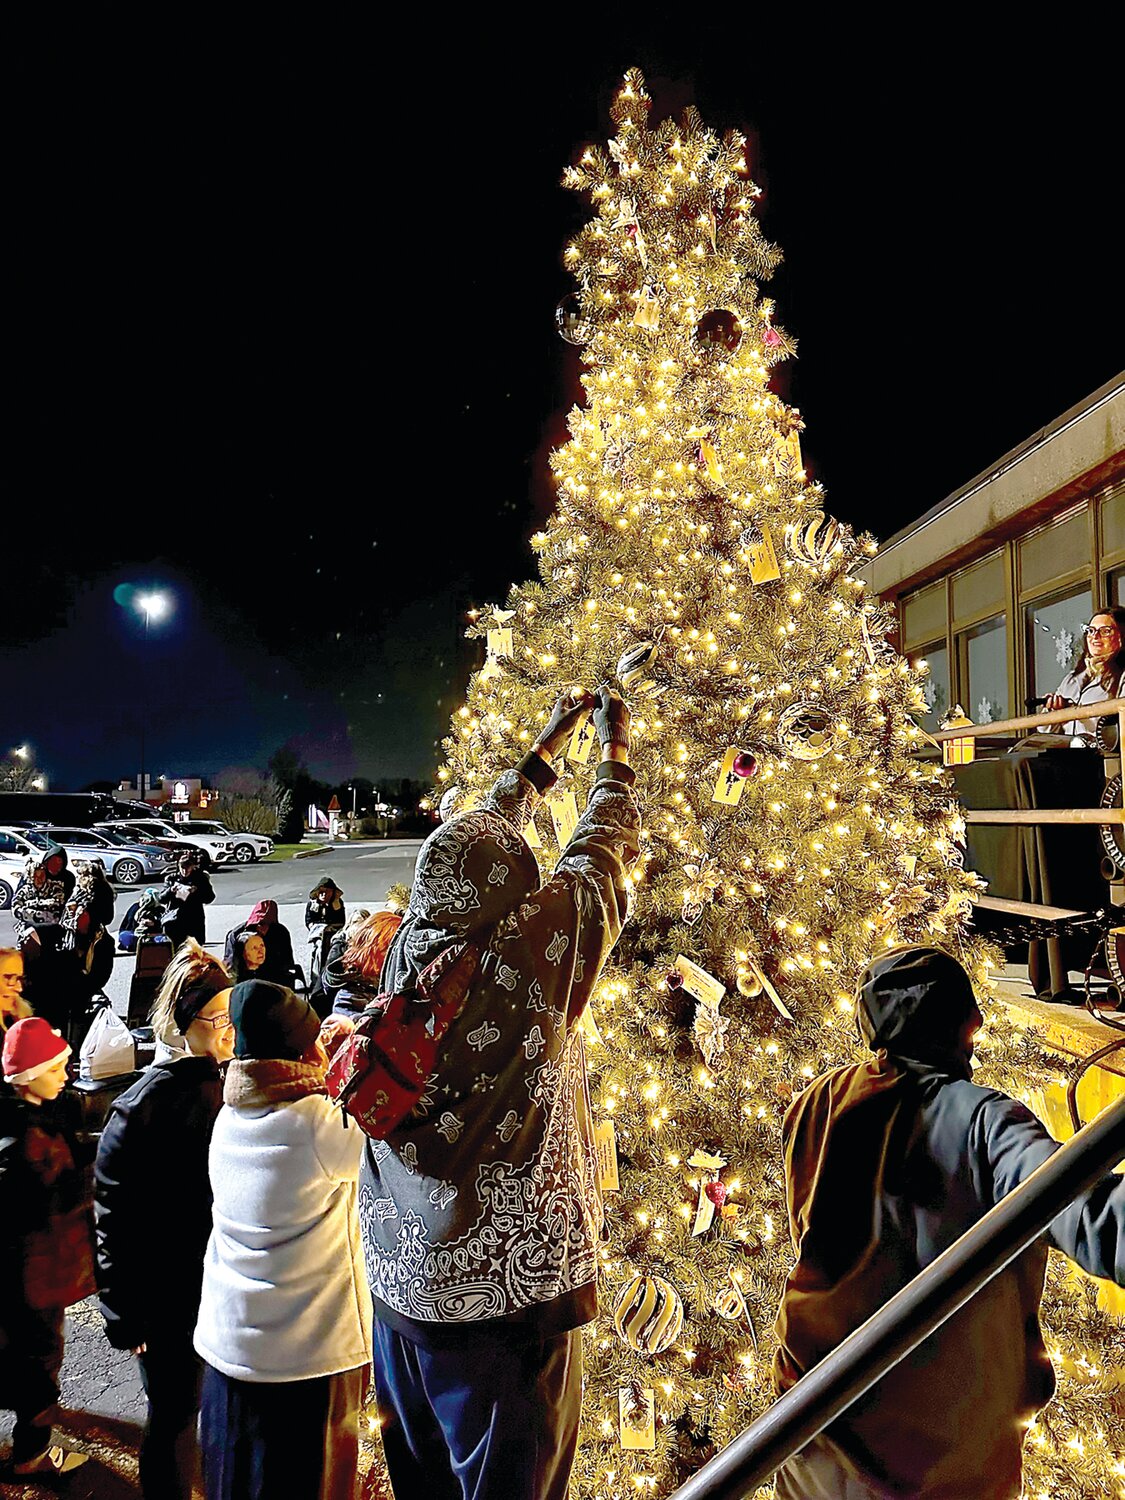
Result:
745,764
771,338
674,979
717,1192
718,332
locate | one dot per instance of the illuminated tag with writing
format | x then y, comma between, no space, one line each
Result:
500,642
637,1418
787,456
564,815
605,1144
581,742
531,834
705,987
763,560
728,786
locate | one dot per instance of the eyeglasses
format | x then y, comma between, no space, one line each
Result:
16,979
1106,630
219,1022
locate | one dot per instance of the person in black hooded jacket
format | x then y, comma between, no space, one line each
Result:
887,1163
153,1211
183,898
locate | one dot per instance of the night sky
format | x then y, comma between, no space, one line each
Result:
280,330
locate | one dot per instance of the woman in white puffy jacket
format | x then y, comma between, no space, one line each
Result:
285,1321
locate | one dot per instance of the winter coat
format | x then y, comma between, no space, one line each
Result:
279,963
283,1291
485,1204
46,1243
184,916
152,1200
40,899
1082,686
328,915
887,1164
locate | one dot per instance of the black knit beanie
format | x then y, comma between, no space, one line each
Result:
271,1021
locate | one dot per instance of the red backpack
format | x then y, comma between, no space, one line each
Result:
380,1069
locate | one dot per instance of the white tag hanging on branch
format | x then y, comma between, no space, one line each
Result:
736,770
581,742
757,545
647,314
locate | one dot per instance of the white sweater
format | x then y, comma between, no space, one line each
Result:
284,1292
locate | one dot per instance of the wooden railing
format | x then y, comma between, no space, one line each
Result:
1111,816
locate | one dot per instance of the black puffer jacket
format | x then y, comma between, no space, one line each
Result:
152,1200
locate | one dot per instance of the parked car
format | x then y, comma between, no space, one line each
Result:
14,844
247,846
176,837
128,864
138,833
10,872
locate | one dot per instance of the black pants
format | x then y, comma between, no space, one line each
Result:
295,1440
493,1418
31,1356
172,1374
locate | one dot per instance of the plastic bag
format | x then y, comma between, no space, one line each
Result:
108,1050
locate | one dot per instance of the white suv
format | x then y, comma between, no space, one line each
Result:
247,846
221,847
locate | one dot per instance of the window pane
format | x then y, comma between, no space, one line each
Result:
935,687
1054,637
987,671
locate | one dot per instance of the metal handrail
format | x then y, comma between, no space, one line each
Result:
1100,710
912,1314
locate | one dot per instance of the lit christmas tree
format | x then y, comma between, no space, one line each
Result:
790,831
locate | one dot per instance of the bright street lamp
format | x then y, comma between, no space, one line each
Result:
154,607
21,752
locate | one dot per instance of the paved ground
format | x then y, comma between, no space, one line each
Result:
102,1398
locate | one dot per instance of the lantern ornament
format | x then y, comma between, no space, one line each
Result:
959,751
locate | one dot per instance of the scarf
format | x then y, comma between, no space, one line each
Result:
251,1083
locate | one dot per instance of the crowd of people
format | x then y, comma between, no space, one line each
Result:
263,1257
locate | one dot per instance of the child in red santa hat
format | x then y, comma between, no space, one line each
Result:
46,1255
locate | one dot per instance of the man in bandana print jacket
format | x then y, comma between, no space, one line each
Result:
481,1212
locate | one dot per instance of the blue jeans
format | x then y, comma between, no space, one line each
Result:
492,1418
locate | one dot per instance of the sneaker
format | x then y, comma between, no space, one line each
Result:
53,1460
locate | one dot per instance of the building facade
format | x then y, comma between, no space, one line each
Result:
993,585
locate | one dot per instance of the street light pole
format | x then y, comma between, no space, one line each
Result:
151,606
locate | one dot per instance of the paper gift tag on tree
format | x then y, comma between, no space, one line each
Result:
500,642
647,314
705,987
637,1418
581,742
759,973
711,461
763,559
710,1166
787,455
728,785
531,834
605,1145
564,815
